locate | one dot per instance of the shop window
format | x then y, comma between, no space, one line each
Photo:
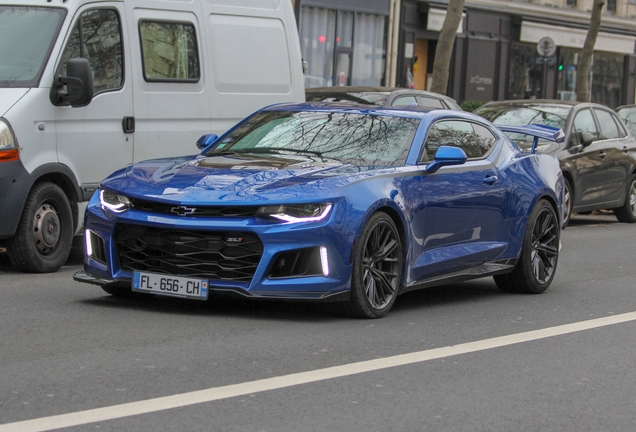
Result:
611,5
169,51
566,74
96,36
526,73
607,79
342,47
571,3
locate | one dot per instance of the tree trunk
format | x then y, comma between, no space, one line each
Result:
585,60
444,51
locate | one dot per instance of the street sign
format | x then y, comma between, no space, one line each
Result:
546,46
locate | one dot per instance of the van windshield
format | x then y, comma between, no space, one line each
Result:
27,35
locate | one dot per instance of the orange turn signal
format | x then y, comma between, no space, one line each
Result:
9,155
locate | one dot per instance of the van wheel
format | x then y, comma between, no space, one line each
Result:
627,213
537,263
43,240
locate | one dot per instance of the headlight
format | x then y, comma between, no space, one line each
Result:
296,212
113,202
8,143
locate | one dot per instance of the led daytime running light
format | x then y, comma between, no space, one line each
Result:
287,218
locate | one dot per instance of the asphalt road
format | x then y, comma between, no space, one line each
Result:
482,360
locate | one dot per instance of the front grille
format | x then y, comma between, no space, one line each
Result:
194,210
217,255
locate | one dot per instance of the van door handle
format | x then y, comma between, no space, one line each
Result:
491,180
602,154
128,124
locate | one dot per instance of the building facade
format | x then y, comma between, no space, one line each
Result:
496,57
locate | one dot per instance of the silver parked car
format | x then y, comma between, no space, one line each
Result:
382,96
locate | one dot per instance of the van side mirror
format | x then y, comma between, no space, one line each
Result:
447,155
205,141
78,82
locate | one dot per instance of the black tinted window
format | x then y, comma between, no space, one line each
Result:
475,140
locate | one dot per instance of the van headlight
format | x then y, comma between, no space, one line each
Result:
113,201
8,143
296,212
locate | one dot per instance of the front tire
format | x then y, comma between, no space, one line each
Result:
537,263
627,213
377,268
44,237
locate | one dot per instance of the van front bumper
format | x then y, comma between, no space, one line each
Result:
15,184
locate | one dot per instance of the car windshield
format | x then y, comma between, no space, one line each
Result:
27,35
359,139
523,115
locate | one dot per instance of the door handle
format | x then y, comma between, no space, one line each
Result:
491,180
602,154
128,124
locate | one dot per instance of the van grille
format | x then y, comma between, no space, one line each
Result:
217,255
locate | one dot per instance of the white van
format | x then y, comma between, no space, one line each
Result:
89,86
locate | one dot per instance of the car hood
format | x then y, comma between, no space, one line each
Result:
237,178
9,97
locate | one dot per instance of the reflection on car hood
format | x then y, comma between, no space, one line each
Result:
236,178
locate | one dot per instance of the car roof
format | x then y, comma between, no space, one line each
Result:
551,102
338,90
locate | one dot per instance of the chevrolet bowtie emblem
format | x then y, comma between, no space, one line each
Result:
183,210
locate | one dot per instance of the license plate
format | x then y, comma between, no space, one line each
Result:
175,286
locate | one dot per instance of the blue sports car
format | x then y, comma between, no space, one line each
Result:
332,202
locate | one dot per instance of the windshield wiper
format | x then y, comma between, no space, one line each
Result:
281,149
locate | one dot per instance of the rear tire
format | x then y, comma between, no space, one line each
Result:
568,200
44,237
537,263
377,268
627,213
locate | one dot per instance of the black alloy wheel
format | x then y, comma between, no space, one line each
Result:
377,268
537,263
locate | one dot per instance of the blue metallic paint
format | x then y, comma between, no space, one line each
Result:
453,220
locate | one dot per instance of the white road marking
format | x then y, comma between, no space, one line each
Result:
229,391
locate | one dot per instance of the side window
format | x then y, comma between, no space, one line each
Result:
169,51
486,138
458,134
405,101
583,122
97,37
607,124
431,102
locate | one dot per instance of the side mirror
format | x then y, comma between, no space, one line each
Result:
78,82
447,155
586,138
206,141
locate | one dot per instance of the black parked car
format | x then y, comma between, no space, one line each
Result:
382,96
598,157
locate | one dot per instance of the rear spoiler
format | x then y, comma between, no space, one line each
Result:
537,131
